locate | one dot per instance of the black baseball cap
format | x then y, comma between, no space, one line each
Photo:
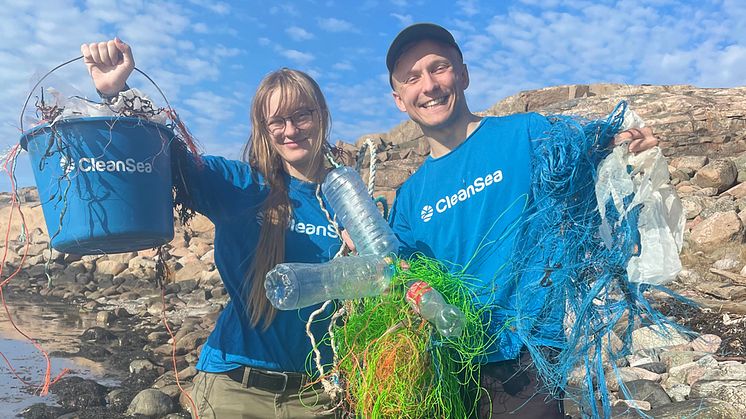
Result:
414,33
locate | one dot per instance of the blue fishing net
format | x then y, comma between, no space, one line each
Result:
576,308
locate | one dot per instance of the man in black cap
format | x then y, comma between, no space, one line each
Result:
461,206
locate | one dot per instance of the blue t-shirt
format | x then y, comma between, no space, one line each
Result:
464,209
226,192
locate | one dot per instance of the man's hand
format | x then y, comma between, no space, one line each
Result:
109,64
347,240
639,139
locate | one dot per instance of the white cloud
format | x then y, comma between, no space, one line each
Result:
284,8
200,28
217,108
332,24
404,20
364,98
298,34
542,3
722,68
297,56
620,41
202,69
221,51
106,10
468,8
218,7
211,118
343,66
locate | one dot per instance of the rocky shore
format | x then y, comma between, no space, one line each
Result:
668,375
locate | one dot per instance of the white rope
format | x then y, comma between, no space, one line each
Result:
331,382
317,353
373,163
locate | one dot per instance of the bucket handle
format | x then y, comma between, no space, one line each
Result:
25,104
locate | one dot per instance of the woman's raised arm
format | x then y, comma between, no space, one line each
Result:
109,63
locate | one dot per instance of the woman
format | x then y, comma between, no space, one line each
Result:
265,210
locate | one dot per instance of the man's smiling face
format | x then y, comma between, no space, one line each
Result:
429,82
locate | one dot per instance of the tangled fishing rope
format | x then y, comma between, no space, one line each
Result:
394,364
381,346
560,257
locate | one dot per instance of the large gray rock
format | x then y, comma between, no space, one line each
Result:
720,174
707,343
648,391
152,403
689,120
694,409
731,391
652,337
110,267
692,371
693,206
629,374
721,228
689,163
727,371
191,341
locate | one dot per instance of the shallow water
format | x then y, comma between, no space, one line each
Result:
56,327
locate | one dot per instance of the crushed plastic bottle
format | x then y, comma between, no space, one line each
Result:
356,211
429,303
290,286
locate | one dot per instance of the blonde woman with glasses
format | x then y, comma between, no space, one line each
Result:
255,363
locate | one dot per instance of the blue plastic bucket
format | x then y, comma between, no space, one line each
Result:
104,183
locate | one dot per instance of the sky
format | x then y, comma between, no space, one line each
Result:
208,56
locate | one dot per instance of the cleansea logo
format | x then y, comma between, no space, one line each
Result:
66,165
452,200
92,164
305,228
313,230
427,213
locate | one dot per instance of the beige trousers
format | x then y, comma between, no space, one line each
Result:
219,397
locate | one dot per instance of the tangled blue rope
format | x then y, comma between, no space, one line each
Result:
565,273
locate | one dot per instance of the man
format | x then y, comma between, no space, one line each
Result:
463,204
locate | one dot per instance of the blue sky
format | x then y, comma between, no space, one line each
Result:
208,56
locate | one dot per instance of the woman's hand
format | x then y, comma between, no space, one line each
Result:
109,64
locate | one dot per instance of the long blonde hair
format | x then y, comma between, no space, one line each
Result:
294,87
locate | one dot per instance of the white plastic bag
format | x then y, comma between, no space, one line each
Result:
661,219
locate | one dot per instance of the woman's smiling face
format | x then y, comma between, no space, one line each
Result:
293,126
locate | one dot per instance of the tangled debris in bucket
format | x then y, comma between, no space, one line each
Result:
131,103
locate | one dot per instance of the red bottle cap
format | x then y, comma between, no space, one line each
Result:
415,292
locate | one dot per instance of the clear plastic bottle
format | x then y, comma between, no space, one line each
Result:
356,211
290,286
429,303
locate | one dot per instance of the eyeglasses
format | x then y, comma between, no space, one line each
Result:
301,119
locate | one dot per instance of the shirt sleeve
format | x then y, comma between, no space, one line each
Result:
215,186
400,225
